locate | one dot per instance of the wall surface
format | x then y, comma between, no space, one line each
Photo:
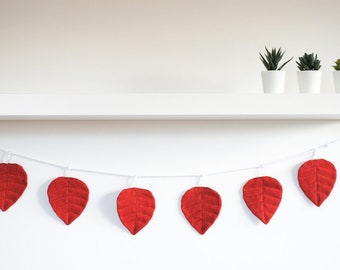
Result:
299,236
159,46
164,46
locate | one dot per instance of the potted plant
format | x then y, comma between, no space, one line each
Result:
336,75
309,73
273,79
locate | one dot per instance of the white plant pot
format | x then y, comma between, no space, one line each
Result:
336,75
309,81
273,81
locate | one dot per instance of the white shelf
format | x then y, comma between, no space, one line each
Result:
168,106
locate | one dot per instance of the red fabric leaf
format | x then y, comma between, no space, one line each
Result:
13,182
135,208
316,179
263,195
201,207
68,197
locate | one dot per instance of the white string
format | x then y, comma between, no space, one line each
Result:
260,169
131,180
37,160
67,171
170,176
7,156
313,153
199,180
316,150
101,172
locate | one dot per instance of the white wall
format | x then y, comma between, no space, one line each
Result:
180,46
176,46
300,235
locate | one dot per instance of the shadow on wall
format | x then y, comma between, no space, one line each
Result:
108,208
44,202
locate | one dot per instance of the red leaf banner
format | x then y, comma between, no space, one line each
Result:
316,179
68,197
263,195
201,207
13,182
135,207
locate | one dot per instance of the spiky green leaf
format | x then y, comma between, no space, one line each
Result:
272,58
337,65
308,62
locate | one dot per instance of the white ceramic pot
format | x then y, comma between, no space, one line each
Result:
309,81
273,81
336,75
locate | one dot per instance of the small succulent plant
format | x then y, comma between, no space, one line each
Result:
337,65
308,62
271,59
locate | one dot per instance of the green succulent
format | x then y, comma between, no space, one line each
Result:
337,65
308,62
271,59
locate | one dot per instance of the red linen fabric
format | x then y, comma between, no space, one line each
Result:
263,195
135,207
201,207
68,197
316,179
13,182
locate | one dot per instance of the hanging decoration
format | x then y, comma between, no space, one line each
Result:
201,207
316,179
13,182
263,195
68,197
135,207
